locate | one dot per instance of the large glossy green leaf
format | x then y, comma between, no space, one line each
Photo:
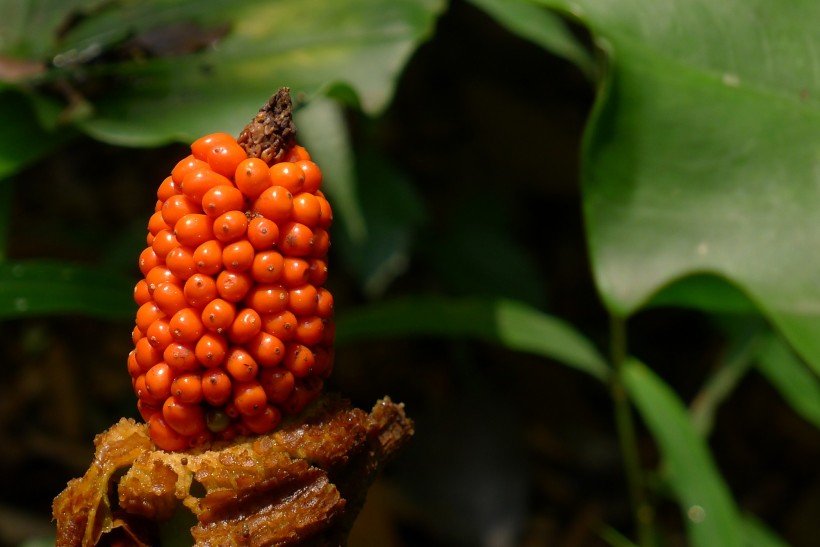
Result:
512,324
703,153
705,501
198,66
48,287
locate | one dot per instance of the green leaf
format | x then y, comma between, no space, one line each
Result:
514,325
701,155
706,502
790,376
704,292
310,46
47,287
541,27
22,141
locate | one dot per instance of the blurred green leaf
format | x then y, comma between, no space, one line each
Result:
163,70
790,376
22,141
701,154
541,27
392,213
514,325
47,287
708,508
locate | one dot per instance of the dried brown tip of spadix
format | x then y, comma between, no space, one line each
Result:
271,133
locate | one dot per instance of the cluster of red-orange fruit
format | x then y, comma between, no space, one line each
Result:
234,328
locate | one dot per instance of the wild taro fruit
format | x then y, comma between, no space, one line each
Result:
234,328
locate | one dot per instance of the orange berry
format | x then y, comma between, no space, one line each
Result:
194,229
324,305
146,355
298,359
185,419
149,238
142,392
263,233
163,243
240,365
249,398
167,189
321,243
278,383
203,145
252,177
326,218
233,286
197,182
147,314
317,271
266,267
282,324
148,259
297,153
141,292
306,209
267,298
216,386
303,300
159,334
304,392
310,330
199,289
211,349
187,388
136,334
147,411
238,255
186,326
225,157
158,275
180,260
323,365
218,315
156,223
312,174
266,349
230,225
180,357
221,199
295,272
158,380
295,239
183,167
176,207
274,203
164,437
264,421
246,325
208,257
287,175
330,333
170,298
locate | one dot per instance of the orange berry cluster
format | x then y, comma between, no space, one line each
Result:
234,327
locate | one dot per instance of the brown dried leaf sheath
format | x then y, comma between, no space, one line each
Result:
302,485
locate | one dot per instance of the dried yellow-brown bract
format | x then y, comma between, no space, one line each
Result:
303,484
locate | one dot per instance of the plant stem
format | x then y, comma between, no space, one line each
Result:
641,509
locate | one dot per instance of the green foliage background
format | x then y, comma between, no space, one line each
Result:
697,189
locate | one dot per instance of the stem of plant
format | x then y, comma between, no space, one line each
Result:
625,425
